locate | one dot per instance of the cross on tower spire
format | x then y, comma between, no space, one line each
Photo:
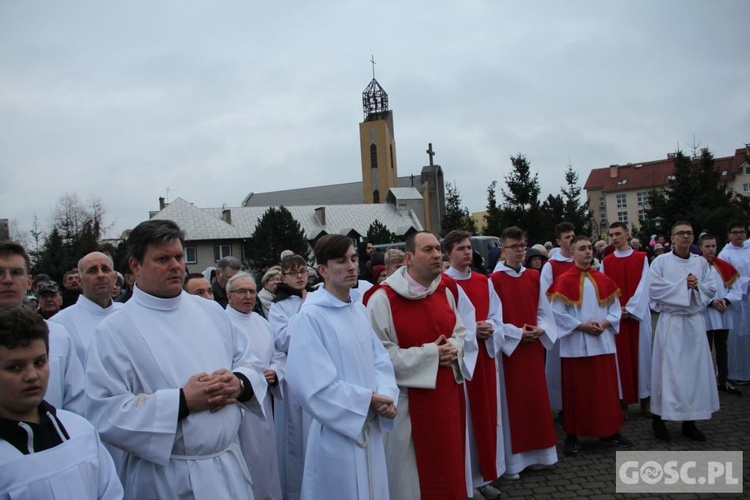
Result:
430,153
372,60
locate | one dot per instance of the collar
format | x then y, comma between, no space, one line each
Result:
152,302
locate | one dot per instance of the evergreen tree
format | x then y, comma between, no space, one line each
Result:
277,230
552,212
521,206
575,212
695,193
377,233
456,216
492,219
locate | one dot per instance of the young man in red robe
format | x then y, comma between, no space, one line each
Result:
558,263
414,315
485,442
528,330
629,270
587,314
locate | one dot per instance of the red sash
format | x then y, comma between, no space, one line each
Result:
482,388
438,416
529,411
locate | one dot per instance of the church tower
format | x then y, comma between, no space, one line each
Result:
377,144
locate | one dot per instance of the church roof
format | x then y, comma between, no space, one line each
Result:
349,193
406,193
207,223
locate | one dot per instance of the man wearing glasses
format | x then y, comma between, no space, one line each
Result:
737,253
682,372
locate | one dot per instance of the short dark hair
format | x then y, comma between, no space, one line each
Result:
332,246
292,261
578,238
192,276
619,224
125,266
736,223
453,238
411,241
8,248
152,232
563,227
679,223
705,237
19,326
513,233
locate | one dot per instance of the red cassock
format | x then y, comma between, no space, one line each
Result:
438,416
482,388
626,273
529,411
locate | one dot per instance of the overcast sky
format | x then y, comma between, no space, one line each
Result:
213,100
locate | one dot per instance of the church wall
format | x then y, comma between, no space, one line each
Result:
381,133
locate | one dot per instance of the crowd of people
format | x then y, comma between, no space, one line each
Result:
404,374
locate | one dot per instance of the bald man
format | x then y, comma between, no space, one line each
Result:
93,305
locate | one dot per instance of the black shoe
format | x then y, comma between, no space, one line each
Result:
660,430
690,430
729,388
742,382
560,417
618,440
571,445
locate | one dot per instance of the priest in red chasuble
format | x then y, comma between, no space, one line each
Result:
587,314
414,315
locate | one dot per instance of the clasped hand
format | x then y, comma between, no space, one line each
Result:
211,392
448,353
383,405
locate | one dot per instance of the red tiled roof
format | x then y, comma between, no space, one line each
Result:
653,174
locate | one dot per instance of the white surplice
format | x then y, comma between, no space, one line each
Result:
738,343
66,380
79,468
716,320
81,319
335,364
639,309
512,335
493,345
139,359
683,382
292,423
553,365
257,435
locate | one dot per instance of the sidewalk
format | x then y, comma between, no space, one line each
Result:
591,473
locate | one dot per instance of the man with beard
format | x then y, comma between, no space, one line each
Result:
50,299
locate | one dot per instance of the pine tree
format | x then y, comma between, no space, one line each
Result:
492,219
456,216
521,206
377,233
575,212
277,230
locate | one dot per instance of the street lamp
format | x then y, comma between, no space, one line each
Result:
658,222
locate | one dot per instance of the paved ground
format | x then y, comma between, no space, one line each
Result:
591,473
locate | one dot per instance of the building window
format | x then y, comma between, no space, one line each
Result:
221,251
622,217
373,156
621,201
376,196
642,215
643,199
746,188
602,204
191,255
747,169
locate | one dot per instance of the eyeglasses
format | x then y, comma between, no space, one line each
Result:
244,291
682,234
738,233
16,273
517,246
301,272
